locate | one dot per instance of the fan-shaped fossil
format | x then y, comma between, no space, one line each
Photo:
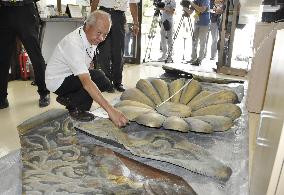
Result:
150,119
146,87
184,104
174,109
131,112
176,123
132,103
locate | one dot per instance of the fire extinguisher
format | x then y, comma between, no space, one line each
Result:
24,64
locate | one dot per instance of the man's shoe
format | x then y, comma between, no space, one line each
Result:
44,100
196,63
212,58
119,88
4,103
63,100
190,61
82,116
169,60
163,58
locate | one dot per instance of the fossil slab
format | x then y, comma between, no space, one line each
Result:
132,103
228,110
174,109
146,87
162,88
55,163
197,125
218,123
131,112
174,87
220,97
163,146
190,91
189,99
230,147
176,123
199,96
135,94
150,119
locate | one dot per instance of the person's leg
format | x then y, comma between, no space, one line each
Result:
7,42
194,42
170,40
27,28
203,32
163,43
104,56
214,35
73,91
75,98
117,49
74,94
99,78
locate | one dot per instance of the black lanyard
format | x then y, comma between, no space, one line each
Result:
94,59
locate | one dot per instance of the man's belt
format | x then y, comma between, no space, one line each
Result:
110,10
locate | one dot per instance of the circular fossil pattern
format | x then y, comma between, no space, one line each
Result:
185,106
174,109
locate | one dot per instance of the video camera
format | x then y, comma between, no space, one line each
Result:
185,3
159,4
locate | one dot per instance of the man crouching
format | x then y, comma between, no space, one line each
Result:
69,72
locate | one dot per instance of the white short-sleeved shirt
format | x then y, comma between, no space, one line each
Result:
72,56
117,4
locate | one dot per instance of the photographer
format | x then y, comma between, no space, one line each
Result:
167,27
201,28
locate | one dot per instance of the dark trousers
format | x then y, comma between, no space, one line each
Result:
22,21
77,96
111,50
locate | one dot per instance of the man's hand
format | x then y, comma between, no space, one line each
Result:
118,118
115,115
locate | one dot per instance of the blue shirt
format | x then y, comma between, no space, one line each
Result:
204,18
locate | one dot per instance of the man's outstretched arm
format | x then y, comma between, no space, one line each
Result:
115,115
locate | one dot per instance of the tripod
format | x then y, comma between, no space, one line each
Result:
152,33
170,50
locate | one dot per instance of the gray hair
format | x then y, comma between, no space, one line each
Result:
95,15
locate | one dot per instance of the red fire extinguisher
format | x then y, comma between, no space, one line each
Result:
24,64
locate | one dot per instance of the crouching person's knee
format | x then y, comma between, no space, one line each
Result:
99,77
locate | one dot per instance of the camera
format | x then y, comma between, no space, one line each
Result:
159,4
185,3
